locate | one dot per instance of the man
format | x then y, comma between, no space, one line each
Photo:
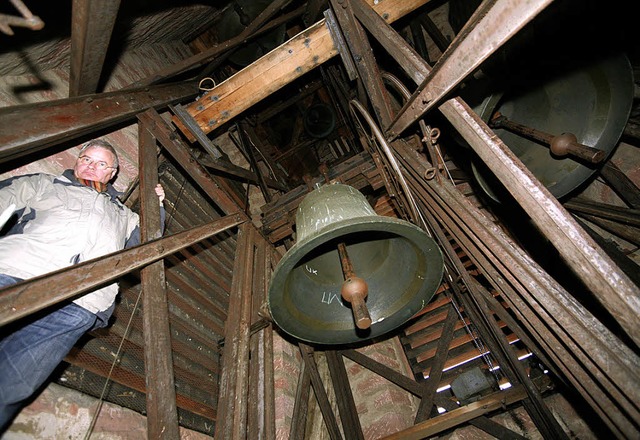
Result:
62,220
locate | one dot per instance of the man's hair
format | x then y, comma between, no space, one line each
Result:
100,143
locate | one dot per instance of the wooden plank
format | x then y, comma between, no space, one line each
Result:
233,379
92,25
461,415
302,53
124,377
63,120
35,294
179,151
162,413
346,405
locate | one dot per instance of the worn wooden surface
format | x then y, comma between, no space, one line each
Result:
302,53
162,413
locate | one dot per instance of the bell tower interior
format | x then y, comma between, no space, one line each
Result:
384,219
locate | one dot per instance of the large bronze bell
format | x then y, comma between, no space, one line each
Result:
352,275
590,102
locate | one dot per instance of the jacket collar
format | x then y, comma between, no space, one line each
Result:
70,176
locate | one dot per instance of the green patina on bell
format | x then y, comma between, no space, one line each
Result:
400,263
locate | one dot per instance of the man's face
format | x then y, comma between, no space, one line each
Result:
96,164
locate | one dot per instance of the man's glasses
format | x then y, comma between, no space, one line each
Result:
101,165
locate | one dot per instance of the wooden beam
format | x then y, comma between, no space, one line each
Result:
612,287
619,214
344,397
242,129
232,401
451,419
237,172
211,53
430,386
483,422
179,151
302,53
390,374
621,184
364,61
261,412
318,389
162,413
91,27
492,25
35,294
26,129
301,404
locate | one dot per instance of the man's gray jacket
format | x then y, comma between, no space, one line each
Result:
61,222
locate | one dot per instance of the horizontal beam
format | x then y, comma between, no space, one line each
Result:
28,128
36,294
451,419
289,61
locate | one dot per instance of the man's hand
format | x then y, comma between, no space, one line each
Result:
160,192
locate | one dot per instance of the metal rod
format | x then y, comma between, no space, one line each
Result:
354,290
561,145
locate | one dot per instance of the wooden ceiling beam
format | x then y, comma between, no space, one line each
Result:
297,56
91,28
29,128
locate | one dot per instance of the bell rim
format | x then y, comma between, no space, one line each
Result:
298,251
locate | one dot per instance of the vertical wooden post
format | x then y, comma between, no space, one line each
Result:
93,25
232,402
162,413
344,397
269,387
261,400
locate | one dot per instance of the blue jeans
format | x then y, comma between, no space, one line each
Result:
32,352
